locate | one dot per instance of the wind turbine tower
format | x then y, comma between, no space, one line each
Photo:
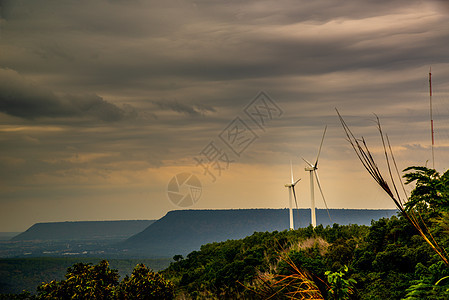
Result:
291,190
312,169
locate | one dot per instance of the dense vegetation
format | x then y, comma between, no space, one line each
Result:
384,259
228,269
87,281
402,257
389,259
17,274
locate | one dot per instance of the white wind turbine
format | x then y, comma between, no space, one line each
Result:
312,168
291,190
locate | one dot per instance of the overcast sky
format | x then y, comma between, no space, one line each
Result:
103,102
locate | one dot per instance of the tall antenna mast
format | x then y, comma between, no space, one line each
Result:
431,116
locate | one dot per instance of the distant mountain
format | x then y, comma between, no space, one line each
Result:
4,236
182,231
84,230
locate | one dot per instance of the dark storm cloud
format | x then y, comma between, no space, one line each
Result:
21,98
133,46
187,50
214,40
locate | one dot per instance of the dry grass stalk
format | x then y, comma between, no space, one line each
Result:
297,285
309,243
363,153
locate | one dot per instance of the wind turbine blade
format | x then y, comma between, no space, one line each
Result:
296,182
322,195
321,145
296,202
307,162
291,170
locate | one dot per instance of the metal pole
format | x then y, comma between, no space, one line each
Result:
431,118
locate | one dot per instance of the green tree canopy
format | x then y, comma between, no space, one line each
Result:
83,281
145,284
86,281
431,190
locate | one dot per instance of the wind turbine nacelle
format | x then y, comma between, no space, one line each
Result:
309,169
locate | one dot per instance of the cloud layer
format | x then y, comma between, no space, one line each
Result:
21,98
102,102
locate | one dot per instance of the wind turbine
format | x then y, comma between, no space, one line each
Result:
312,168
291,190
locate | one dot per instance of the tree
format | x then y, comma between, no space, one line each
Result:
178,257
431,191
83,281
145,284
432,283
340,287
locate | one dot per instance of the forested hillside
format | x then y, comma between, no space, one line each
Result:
402,257
386,260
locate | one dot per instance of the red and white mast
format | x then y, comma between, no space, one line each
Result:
431,116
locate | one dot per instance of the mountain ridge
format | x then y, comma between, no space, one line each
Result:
83,230
183,231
